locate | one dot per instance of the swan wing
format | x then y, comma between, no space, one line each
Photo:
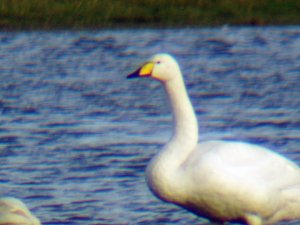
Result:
229,179
243,161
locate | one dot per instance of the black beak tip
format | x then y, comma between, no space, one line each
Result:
134,74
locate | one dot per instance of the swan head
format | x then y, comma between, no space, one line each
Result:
162,67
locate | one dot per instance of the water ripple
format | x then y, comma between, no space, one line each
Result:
76,136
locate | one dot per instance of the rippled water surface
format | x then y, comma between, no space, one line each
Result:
75,135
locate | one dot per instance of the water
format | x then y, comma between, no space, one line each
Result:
75,135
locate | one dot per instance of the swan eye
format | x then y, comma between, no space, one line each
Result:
158,62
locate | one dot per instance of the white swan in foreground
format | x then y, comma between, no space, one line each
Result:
220,180
15,212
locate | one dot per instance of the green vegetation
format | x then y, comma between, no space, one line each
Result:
56,14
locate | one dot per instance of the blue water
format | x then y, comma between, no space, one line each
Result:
75,135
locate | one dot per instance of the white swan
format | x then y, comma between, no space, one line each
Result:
15,212
220,180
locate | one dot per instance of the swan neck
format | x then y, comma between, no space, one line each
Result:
185,127
163,173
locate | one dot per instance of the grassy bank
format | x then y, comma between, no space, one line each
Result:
56,14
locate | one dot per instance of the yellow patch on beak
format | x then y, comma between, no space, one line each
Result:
146,69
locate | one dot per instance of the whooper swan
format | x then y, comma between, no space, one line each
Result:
15,212
223,181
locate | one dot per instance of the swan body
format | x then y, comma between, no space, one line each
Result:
15,212
221,180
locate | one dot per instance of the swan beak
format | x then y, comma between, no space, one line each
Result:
144,71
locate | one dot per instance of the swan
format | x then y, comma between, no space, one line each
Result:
223,181
14,212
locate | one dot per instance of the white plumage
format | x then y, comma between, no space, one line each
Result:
14,212
220,180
